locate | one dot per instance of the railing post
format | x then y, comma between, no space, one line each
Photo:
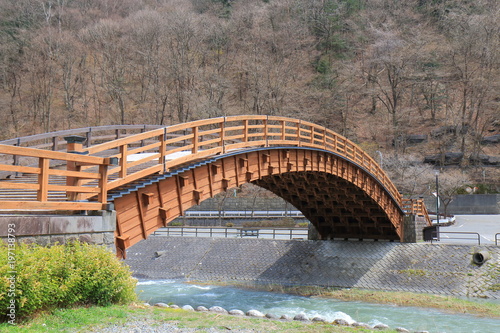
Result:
266,131
195,140
245,130
103,184
222,135
283,130
43,179
298,134
163,149
74,145
89,137
123,161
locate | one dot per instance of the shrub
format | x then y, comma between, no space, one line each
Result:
230,224
64,276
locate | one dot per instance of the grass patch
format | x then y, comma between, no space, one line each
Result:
94,319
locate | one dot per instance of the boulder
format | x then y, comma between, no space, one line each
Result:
342,322
187,308
217,309
162,305
410,139
381,327
174,306
402,330
255,313
272,316
236,313
301,317
201,308
362,325
319,319
286,317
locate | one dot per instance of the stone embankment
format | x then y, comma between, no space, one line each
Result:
418,267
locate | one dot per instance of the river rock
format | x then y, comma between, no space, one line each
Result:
362,325
236,313
201,308
255,313
217,309
286,317
341,322
319,319
272,316
381,327
187,308
402,330
161,305
301,317
174,306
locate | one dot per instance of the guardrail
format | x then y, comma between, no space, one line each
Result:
243,214
234,232
477,236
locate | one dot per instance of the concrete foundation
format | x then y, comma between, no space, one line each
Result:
51,229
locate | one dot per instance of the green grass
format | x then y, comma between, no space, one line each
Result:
92,319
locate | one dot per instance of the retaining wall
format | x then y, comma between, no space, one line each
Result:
417,267
52,229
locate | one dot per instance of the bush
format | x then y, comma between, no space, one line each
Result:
63,276
230,224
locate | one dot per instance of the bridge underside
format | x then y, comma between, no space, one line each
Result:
336,207
341,199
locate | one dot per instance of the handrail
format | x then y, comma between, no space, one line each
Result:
163,149
200,139
460,233
416,207
45,175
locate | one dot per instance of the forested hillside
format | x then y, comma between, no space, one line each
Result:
404,79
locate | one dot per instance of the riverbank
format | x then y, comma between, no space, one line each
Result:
145,319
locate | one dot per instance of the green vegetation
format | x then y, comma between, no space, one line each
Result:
62,276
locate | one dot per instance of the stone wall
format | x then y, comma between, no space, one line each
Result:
52,229
417,267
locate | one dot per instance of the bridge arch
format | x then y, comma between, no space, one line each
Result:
154,176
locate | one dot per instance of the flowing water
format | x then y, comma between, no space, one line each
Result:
414,319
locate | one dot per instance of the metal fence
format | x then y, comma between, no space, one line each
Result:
227,232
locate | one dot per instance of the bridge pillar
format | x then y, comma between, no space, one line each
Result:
46,230
413,228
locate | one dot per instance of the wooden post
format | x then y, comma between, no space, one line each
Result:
245,130
43,179
195,140
75,146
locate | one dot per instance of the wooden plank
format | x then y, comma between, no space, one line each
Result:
51,205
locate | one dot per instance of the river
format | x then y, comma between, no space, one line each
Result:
413,319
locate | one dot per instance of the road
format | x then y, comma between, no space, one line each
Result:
485,225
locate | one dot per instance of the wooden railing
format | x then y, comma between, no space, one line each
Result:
163,149
45,184
416,207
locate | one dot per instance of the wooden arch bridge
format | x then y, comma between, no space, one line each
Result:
150,174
